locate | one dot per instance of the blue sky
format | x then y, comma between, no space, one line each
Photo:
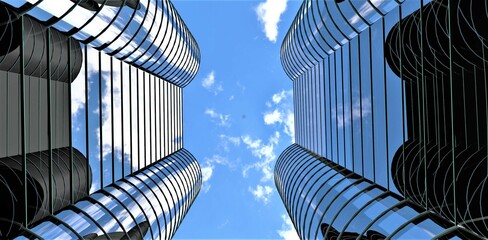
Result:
237,117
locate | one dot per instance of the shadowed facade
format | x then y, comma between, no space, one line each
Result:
390,100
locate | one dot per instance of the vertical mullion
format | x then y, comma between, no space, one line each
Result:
144,116
371,100
150,122
180,93
486,97
172,114
138,122
330,110
130,120
386,110
160,126
165,116
477,108
319,80
100,113
112,115
350,108
70,123
335,100
23,124
49,120
122,117
317,108
400,13
343,109
166,126
360,78
70,129
453,145
424,104
88,180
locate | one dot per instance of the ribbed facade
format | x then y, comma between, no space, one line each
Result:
149,35
159,195
91,119
325,199
396,93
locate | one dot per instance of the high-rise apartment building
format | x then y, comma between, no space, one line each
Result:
390,102
91,119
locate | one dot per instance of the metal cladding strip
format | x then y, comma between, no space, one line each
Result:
137,206
339,203
149,34
317,31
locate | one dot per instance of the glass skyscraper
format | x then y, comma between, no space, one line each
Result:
390,107
91,119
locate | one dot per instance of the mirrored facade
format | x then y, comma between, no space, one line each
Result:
149,34
329,201
394,92
90,108
151,201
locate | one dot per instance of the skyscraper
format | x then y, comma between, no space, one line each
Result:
91,119
390,118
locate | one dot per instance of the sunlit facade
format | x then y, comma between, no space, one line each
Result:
332,201
91,112
394,94
157,196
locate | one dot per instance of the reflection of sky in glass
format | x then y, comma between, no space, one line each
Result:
163,191
147,115
343,200
152,37
349,102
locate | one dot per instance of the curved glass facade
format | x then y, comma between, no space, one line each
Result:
90,102
396,93
325,200
151,202
322,27
148,34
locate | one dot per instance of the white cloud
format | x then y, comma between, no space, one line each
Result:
209,83
262,193
264,152
269,14
207,172
273,117
234,140
208,169
281,112
223,120
277,97
287,231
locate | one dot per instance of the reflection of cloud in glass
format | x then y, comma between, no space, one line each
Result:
156,198
152,37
